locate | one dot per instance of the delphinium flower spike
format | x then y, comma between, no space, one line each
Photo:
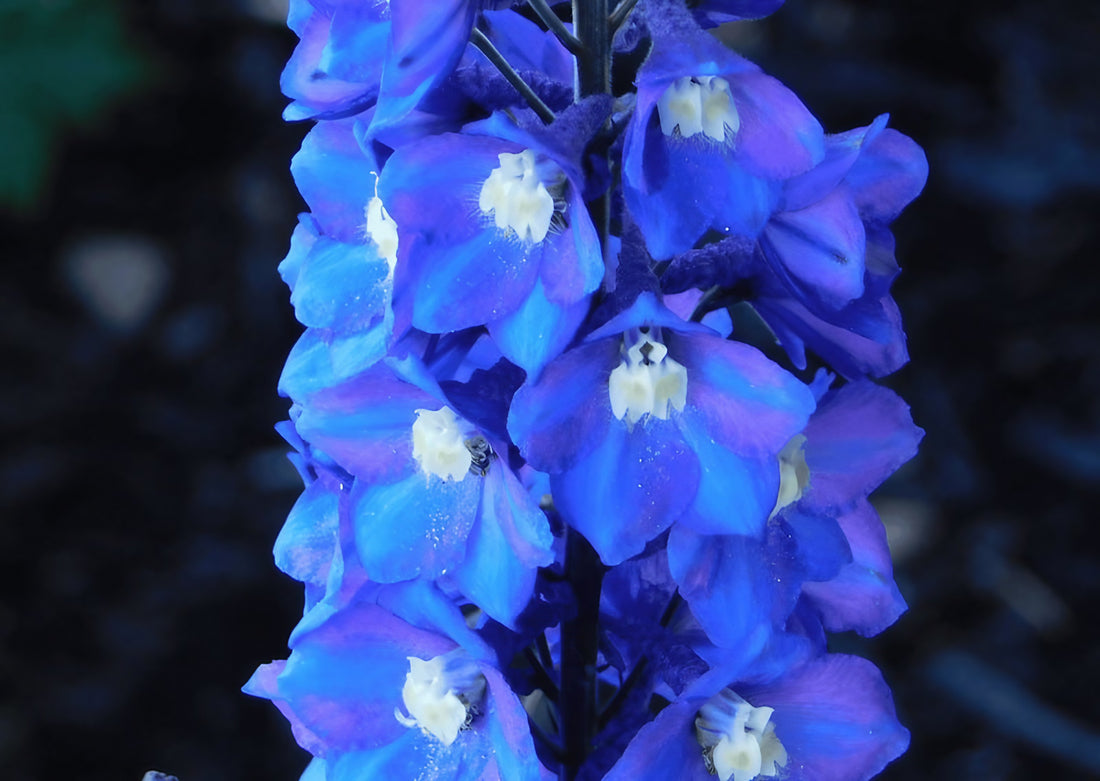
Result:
561,518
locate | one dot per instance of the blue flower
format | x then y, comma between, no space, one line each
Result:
653,420
493,231
373,696
340,264
711,140
859,435
823,264
830,719
464,513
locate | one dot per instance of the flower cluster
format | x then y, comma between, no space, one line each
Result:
563,518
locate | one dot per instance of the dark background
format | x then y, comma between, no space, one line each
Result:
145,203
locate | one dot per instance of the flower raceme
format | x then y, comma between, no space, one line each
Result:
560,517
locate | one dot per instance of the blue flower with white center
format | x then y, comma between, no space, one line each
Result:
829,718
711,139
373,696
493,231
463,512
653,420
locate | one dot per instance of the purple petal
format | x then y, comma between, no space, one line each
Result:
778,137
564,415
835,716
889,174
664,749
366,423
746,402
864,596
859,436
822,247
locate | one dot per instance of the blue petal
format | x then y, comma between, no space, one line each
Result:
509,542
728,585
821,247
336,178
736,493
664,749
417,527
859,436
822,547
863,596
366,424
538,331
629,488
426,42
835,716
305,545
564,415
341,286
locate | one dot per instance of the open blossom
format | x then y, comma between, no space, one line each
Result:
829,718
373,696
654,420
711,140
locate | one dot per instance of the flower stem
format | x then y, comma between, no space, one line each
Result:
482,42
555,25
579,648
584,570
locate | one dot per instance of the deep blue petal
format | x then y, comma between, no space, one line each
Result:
664,749
629,488
729,586
564,415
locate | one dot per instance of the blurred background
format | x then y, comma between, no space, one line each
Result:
145,202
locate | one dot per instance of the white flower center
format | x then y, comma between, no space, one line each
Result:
738,740
383,231
517,197
698,104
794,474
439,444
647,381
441,695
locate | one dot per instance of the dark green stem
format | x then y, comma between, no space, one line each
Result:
620,14
479,39
590,22
579,649
555,25
584,570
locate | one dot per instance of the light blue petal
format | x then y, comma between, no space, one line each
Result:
417,527
510,540
538,331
